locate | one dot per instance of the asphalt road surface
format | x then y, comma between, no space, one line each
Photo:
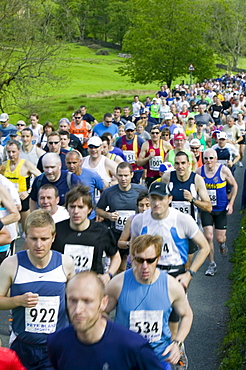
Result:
207,296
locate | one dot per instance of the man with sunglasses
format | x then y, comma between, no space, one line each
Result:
216,177
195,147
5,127
106,125
54,146
176,229
152,155
97,162
144,296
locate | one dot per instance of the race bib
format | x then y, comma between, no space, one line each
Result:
229,136
82,256
121,220
81,137
182,206
223,161
130,156
43,317
212,196
147,323
216,114
155,162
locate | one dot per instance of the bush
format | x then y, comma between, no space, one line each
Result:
233,350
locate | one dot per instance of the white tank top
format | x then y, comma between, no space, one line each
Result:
100,168
31,156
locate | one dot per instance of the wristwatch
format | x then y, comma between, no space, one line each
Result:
179,343
191,272
193,200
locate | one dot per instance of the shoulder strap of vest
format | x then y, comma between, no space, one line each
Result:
39,181
69,179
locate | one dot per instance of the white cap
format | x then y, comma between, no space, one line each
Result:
195,142
4,117
95,140
222,135
168,116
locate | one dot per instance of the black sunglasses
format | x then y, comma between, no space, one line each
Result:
53,142
148,260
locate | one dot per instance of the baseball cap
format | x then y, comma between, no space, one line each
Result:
166,167
154,99
179,136
199,123
222,135
130,126
159,188
195,142
4,117
178,130
95,140
168,116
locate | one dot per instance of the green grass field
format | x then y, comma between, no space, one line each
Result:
91,80
88,79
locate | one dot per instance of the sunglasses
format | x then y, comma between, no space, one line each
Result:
206,158
148,260
93,146
77,117
20,124
53,142
129,130
155,133
194,148
109,121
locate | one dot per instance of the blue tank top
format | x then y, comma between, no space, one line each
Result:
49,315
176,188
145,309
216,188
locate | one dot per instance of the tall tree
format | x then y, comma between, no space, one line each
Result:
27,50
228,29
164,39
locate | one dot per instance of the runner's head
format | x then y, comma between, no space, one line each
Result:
40,219
86,298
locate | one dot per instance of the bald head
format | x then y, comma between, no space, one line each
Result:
86,278
51,158
52,166
210,153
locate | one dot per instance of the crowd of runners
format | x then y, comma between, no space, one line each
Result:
116,218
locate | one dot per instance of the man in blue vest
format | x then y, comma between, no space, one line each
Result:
144,296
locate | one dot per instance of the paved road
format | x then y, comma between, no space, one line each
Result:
207,296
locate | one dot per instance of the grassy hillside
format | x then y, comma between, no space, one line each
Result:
89,79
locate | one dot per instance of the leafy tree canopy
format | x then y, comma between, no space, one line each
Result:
165,37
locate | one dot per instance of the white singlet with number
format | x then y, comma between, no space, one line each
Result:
147,323
182,206
121,220
130,156
155,162
212,196
43,317
82,256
